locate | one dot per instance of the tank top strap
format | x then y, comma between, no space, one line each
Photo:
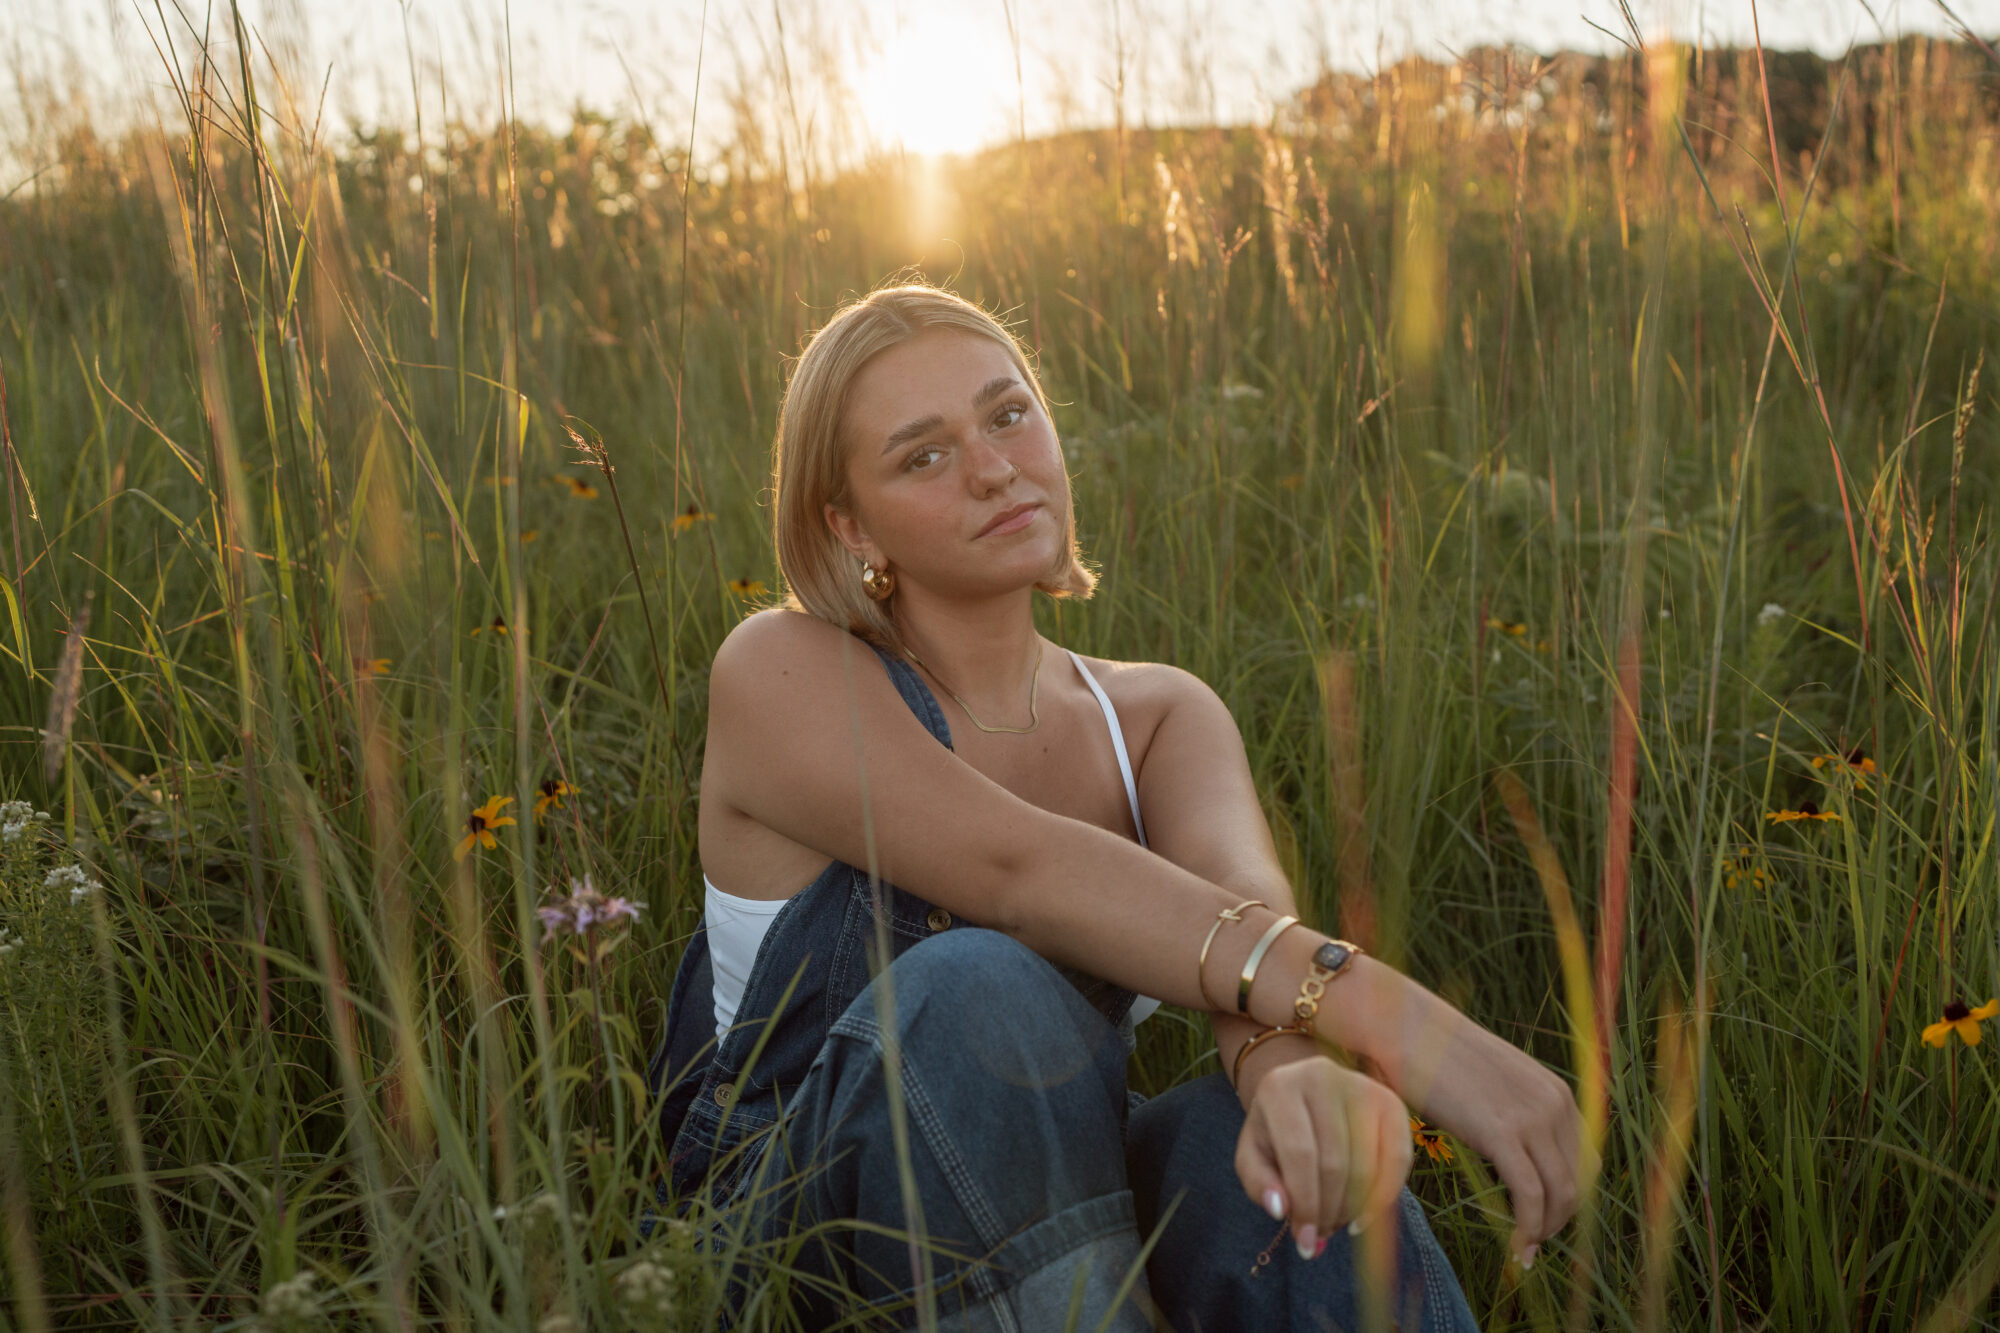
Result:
916,694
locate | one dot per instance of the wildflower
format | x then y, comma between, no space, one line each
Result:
1432,1142
16,818
646,1290
1854,762
1962,1020
579,488
1291,481
9,943
687,518
479,826
73,878
291,1301
748,587
1544,646
1771,611
372,666
1744,870
550,796
584,910
1512,629
497,626
1806,810
530,535
1232,392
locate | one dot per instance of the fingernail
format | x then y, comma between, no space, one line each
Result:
1320,1248
1308,1241
1274,1204
1357,1226
1528,1257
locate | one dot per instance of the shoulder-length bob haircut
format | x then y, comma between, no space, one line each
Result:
809,458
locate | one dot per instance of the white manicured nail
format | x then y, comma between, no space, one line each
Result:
1308,1239
1274,1204
1357,1226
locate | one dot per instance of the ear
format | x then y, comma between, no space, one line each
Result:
848,531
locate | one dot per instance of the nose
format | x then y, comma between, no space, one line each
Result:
987,469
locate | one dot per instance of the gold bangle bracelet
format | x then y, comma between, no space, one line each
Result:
1201,967
1278,927
1236,1071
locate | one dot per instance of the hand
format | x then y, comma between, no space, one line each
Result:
1502,1102
1323,1146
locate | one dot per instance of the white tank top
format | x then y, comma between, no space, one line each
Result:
736,925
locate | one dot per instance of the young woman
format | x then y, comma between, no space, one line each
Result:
945,858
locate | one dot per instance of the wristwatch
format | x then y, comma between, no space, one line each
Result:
1328,962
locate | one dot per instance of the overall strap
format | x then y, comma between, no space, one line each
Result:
916,694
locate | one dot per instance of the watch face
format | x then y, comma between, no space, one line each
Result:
1332,955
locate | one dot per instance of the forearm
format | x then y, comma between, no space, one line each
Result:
1090,899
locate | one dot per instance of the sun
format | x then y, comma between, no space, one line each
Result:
943,84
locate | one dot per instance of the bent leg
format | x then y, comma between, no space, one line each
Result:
1181,1154
1013,1097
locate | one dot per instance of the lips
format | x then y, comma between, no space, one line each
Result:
1007,518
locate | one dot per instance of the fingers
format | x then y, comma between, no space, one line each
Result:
1300,1148
1559,1185
1364,1167
1524,1187
1258,1169
1393,1156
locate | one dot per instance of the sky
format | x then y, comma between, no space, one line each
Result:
925,75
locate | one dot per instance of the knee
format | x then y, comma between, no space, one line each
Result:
976,979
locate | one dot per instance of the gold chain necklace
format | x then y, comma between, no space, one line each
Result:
1034,689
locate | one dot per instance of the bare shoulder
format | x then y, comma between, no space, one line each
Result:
775,644
1146,694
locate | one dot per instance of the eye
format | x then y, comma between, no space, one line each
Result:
1009,415
915,463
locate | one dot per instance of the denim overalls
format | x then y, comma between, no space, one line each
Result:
1034,1172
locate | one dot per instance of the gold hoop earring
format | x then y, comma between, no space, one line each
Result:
879,583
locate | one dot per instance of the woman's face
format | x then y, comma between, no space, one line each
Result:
954,472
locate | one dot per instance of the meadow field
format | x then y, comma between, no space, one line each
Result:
1576,474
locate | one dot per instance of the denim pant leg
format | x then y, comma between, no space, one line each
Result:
1013,1090
1182,1145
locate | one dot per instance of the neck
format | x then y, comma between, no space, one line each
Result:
985,650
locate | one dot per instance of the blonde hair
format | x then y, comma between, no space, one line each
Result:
809,458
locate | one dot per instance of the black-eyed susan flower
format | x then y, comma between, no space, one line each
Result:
1511,628
479,826
1855,763
1807,810
1745,871
1429,1140
690,516
748,587
549,796
579,488
498,625
1963,1020
371,666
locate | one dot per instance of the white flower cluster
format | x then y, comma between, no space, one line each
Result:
291,1302
9,943
80,885
1771,611
647,1290
16,818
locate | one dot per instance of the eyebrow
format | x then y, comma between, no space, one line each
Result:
992,389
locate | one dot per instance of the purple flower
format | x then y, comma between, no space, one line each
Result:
584,911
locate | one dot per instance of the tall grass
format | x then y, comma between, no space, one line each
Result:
1508,426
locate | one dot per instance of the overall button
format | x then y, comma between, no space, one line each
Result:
939,919
725,1093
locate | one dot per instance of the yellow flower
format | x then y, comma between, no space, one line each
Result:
747,587
1744,870
579,488
688,517
530,535
372,666
499,626
1806,810
479,826
1291,481
551,798
1510,628
1854,763
1432,1142
1965,1022
1544,646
